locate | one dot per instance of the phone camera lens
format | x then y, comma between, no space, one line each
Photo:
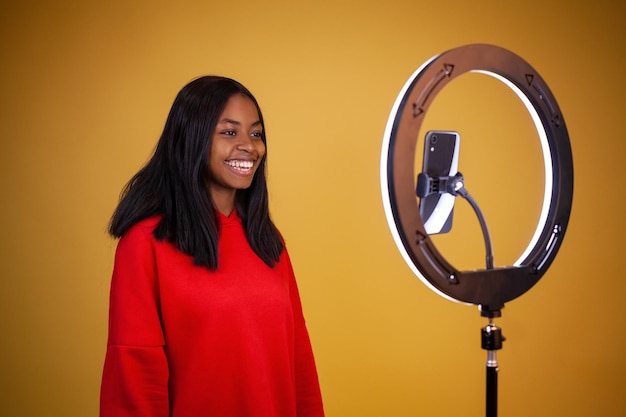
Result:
433,139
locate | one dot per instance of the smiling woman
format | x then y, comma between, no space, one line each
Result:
237,150
205,316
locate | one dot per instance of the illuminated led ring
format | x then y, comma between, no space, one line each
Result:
488,288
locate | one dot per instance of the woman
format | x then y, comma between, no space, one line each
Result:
205,317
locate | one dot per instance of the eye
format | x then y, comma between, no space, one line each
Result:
229,132
257,134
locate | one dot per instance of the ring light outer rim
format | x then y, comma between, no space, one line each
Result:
491,288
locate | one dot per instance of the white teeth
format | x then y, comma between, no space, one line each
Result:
240,164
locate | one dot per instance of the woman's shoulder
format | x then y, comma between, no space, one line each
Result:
142,230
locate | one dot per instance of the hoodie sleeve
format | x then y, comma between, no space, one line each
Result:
308,394
135,374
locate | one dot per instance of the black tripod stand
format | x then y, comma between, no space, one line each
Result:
491,341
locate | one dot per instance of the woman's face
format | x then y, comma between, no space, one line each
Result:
237,147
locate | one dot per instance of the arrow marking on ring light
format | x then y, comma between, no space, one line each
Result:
445,72
556,119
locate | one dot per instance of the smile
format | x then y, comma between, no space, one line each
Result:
240,165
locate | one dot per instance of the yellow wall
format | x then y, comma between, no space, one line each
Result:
86,87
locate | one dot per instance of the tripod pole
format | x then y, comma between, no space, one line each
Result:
492,341
492,384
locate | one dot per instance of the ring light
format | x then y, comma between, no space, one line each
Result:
489,288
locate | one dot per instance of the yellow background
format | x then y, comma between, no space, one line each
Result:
85,90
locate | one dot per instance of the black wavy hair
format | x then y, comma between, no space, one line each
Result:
174,182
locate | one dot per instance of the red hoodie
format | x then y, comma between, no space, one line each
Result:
188,342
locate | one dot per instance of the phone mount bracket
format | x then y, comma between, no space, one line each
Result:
427,185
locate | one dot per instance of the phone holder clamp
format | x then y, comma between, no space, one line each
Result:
427,185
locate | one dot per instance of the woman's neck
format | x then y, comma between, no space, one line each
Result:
224,200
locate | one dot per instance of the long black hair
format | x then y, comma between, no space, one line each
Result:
174,182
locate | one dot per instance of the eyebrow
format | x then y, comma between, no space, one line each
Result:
238,123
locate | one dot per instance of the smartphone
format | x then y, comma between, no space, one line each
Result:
441,159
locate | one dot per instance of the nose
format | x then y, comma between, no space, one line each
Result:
245,144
